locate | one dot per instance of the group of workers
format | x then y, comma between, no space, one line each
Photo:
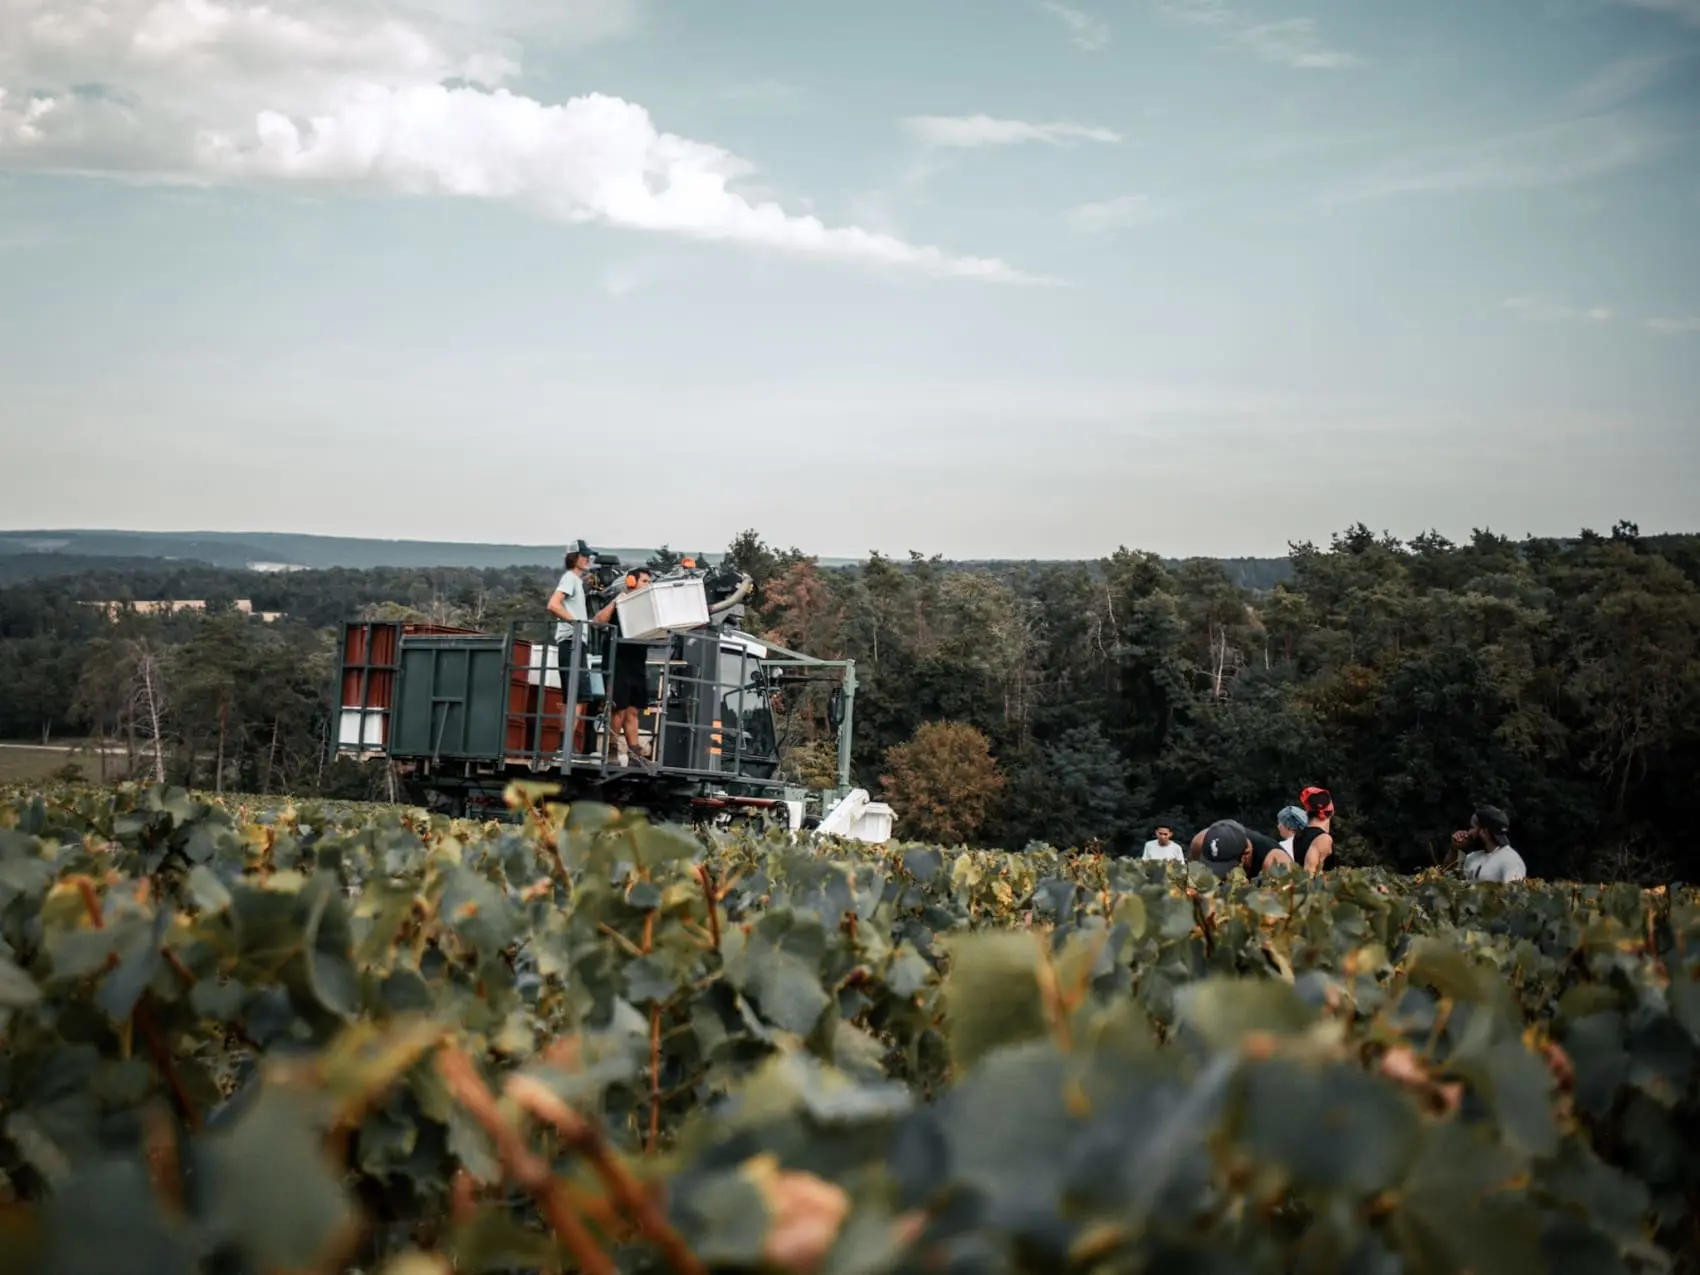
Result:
1304,831
1305,839
628,680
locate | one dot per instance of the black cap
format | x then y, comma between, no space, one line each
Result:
1494,821
1224,845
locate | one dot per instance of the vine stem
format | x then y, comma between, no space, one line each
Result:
582,1136
523,1167
707,880
654,1049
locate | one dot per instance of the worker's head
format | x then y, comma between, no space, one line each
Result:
1292,820
637,579
1165,835
1318,803
1491,825
1227,845
578,556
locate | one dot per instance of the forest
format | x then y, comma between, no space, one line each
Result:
1020,704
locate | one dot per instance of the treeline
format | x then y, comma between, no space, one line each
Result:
1557,679
1085,702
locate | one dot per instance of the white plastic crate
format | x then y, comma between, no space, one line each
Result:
873,824
544,666
858,817
661,608
349,732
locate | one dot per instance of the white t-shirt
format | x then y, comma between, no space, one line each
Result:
571,587
1499,864
1155,849
1287,845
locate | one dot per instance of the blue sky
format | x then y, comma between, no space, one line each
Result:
964,276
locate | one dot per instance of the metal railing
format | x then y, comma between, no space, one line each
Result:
688,716
702,686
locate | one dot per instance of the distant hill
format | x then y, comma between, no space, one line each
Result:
266,550
26,555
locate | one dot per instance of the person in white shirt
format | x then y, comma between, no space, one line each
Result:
1489,856
1164,846
1289,823
570,606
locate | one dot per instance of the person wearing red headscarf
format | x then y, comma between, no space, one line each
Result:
1314,845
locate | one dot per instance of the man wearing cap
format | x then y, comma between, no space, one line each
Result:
570,606
1228,843
1487,843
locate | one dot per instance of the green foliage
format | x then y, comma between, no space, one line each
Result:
323,1037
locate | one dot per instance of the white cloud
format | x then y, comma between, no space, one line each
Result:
623,278
1684,10
984,130
1550,312
760,92
1543,311
543,22
352,94
1560,154
1087,32
1198,13
1294,42
1290,42
1111,214
1622,79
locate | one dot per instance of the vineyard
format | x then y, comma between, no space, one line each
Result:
324,1038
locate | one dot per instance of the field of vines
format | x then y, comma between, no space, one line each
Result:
248,1040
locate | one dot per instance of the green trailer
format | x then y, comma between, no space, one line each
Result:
460,713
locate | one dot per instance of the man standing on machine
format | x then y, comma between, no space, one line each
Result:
569,605
629,694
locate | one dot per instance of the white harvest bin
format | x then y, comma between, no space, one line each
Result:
873,824
661,608
349,730
544,666
859,818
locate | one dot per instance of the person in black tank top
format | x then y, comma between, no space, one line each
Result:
1307,838
1314,846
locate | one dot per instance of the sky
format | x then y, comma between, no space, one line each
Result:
984,278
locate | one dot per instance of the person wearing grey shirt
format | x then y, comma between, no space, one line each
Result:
568,603
570,606
1487,845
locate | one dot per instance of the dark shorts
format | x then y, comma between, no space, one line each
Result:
630,683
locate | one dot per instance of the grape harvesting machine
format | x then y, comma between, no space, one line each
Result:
459,713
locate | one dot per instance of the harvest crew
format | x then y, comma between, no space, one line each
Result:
1489,856
1314,843
1163,846
570,607
629,693
1228,844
